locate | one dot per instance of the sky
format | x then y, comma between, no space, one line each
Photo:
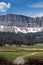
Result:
31,8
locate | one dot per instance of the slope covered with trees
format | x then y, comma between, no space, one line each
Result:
20,38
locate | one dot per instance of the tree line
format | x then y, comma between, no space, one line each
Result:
19,38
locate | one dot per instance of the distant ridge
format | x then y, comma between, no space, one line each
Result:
20,23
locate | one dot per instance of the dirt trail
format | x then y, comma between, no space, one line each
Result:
20,60
29,54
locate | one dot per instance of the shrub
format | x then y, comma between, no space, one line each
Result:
4,61
34,61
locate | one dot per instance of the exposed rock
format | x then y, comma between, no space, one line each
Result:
17,25
19,61
20,23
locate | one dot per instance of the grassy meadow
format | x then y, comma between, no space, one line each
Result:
12,52
13,55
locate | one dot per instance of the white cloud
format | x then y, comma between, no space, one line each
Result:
36,5
4,6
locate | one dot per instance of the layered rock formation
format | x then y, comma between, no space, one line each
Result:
20,23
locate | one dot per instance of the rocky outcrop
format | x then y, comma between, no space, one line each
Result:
20,21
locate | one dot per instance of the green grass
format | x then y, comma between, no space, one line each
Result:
37,46
16,51
37,55
13,55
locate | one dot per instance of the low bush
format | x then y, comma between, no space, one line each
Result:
4,61
31,61
34,61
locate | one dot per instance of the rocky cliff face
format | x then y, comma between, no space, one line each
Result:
23,23
17,25
20,21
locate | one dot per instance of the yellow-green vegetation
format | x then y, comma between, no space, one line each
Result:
36,47
11,52
36,55
13,55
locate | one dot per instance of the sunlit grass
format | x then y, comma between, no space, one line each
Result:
13,55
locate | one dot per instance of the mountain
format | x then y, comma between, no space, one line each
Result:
22,29
20,23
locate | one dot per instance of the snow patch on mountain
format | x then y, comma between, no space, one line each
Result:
27,29
20,29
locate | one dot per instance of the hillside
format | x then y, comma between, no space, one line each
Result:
20,38
20,29
20,23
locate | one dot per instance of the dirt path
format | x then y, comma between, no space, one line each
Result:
29,54
21,60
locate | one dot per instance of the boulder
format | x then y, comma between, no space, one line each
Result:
19,61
